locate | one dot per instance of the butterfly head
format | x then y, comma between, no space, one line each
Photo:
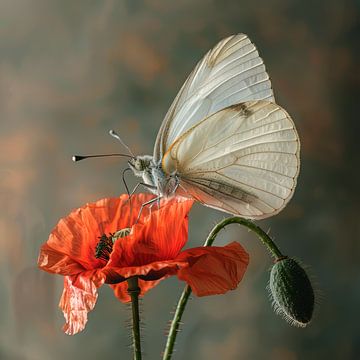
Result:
140,164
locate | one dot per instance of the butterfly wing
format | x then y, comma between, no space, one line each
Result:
243,160
230,73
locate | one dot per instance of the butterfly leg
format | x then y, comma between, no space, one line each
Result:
124,181
132,193
149,187
145,204
157,203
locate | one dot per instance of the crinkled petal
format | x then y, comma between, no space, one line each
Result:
56,262
159,237
77,234
213,270
78,298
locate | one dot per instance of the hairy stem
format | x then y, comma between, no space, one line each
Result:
134,291
175,323
180,308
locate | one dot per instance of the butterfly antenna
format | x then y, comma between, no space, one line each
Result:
76,158
116,136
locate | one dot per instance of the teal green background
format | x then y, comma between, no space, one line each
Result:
72,70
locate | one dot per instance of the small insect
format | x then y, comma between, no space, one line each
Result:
224,141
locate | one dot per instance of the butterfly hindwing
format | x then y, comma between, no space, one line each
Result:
243,159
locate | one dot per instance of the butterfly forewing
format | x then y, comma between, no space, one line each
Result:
230,73
243,159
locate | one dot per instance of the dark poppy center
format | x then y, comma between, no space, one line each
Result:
105,245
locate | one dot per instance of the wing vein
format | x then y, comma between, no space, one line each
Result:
205,189
238,165
215,87
243,148
256,188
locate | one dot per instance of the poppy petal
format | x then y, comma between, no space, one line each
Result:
214,270
78,298
151,271
56,262
161,236
77,234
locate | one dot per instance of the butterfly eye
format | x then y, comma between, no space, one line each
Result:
136,164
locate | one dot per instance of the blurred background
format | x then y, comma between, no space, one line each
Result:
72,70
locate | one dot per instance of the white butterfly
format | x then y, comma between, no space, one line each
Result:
224,142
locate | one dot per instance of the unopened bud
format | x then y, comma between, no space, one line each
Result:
292,292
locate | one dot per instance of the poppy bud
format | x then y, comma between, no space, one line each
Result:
292,292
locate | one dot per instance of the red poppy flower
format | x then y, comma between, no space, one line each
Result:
81,248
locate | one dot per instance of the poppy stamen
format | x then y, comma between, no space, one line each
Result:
104,247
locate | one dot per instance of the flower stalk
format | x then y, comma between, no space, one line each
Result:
175,323
261,234
180,308
134,291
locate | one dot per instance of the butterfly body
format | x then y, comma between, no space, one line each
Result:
160,183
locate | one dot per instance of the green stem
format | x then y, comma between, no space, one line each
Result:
262,235
180,308
175,323
134,291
